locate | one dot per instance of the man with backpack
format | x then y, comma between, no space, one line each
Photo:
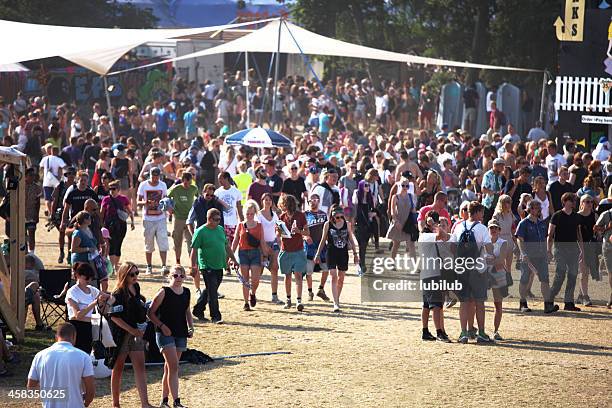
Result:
471,236
327,190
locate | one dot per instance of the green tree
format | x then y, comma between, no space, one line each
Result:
78,13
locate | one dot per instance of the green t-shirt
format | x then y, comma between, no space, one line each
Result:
210,244
183,199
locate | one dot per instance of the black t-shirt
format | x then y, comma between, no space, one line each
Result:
90,156
295,187
276,183
587,222
76,198
556,190
470,96
566,226
581,174
516,197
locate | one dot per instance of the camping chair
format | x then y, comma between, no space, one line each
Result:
52,282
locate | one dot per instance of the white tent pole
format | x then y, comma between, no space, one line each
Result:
542,101
247,84
109,109
275,89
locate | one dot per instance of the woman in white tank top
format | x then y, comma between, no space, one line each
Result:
268,218
497,273
543,197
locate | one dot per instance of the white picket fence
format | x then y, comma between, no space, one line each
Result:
581,94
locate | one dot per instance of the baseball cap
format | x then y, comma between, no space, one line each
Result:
499,160
313,170
493,224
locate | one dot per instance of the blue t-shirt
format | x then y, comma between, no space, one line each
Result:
323,123
172,118
189,119
161,121
86,242
534,234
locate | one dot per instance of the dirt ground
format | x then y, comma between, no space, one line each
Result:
369,355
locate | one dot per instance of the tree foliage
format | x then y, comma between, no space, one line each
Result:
78,13
500,32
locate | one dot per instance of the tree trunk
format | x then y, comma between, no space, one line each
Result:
480,40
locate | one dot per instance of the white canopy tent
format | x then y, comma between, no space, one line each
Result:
94,48
293,39
13,68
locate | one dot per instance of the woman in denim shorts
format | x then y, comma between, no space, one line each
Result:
249,241
268,219
171,315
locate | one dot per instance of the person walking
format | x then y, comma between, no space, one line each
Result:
268,219
128,323
364,214
564,232
210,252
173,322
531,238
292,258
76,368
232,197
504,218
150,194
183,195
589,264
603,226
337,234
497,264
402,211
315,219
81,299
114,211
492,185
251,246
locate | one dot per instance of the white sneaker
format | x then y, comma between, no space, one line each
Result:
336,308
165,271
148,271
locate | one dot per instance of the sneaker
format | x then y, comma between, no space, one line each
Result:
472,333
246,307
336,308
524,309
310,296
571,307
276,300
220,295
427,336
200,316
551,308
497,336
463,339
586,301
580,298
177,404
299,307
287,305
148,271
443,337
253,300
165,271
60,259
220,321
164,404
322,295
483,338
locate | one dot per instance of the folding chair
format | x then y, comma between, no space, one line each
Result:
52,282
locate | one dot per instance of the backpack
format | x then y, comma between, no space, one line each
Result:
467,246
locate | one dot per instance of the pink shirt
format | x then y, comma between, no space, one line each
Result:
425,210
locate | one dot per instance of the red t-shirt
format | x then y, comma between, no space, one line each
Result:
425,210
243,242
295,243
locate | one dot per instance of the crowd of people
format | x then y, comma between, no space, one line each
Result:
366,163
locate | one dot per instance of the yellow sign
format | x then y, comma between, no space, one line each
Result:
573,27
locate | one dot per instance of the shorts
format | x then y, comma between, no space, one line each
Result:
426,115
230,231
48,191
337,259
180,231
249,257
311,267
156,230
292,261
131,343
474,286
180,343
432,297
499,293
273,245
541,267
470,114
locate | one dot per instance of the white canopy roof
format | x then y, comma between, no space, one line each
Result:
16,67
94,48
297,40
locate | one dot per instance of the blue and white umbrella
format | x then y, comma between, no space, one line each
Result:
258,137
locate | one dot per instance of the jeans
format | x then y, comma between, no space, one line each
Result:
566,259
212,280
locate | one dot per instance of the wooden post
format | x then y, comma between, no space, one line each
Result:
17,249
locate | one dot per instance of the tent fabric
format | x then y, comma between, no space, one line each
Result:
13,68
93,48
297,40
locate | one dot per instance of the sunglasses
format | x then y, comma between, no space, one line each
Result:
338,217
208,196
294,168
112,188
178,275
133,274
405,185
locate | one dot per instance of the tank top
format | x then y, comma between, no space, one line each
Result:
269,227
337,238
544,204
122,168
172,311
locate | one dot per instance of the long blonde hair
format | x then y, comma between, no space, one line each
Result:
499,208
